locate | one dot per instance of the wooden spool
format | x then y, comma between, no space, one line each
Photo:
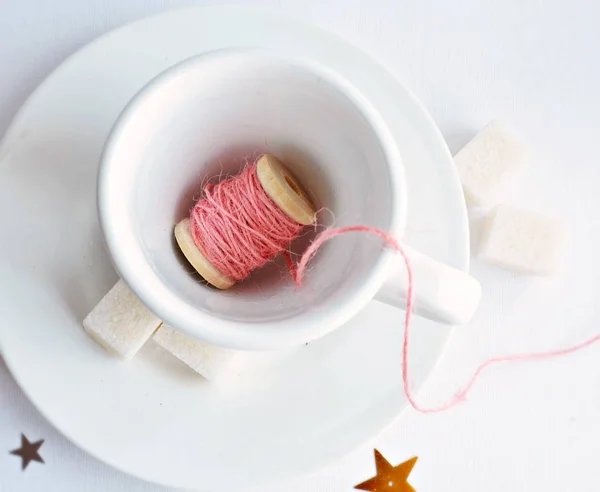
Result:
282,187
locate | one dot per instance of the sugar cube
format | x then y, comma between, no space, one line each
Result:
120,322
488,164
210,361
522,241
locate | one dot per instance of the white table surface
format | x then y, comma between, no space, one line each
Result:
532,63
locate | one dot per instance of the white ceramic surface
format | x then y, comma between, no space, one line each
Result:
152,418
204,118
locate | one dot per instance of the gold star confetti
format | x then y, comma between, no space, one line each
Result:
28,451
389,478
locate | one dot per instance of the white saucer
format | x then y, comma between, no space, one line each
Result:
152,417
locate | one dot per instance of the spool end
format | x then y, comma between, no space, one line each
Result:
197,259
285,190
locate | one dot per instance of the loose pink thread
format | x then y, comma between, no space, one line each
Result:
239,228
462,394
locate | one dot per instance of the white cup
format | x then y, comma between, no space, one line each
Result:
201,118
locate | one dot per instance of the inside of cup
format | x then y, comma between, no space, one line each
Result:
209,118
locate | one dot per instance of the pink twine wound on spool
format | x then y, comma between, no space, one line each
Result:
239,228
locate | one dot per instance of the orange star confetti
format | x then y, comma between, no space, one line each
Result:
389,478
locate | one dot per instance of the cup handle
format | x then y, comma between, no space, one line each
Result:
440,292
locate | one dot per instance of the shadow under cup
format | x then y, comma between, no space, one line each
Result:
202,120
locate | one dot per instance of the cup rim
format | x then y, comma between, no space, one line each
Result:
140,277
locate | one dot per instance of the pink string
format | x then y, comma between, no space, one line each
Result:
462,394
239,228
